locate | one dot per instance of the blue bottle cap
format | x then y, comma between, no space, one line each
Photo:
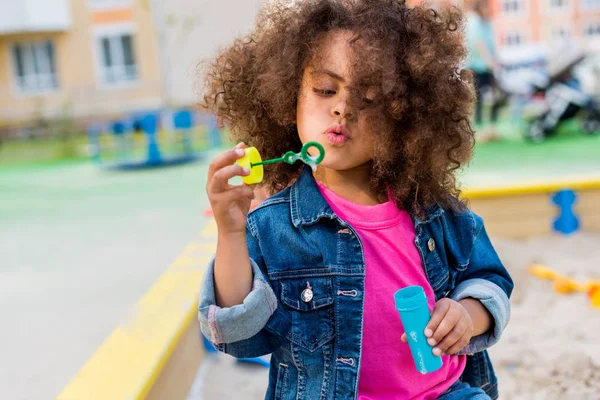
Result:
410,298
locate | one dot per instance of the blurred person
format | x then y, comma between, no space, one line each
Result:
482,60
309,275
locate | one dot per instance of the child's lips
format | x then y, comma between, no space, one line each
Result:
336,139
338,129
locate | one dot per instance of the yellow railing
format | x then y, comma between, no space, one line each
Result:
156,352
536,188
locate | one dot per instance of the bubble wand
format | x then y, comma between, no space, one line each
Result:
253,161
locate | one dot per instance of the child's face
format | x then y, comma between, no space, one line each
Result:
324,114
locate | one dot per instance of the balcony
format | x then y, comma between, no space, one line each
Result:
34,16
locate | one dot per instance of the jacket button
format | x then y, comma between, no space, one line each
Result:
431,244
307,295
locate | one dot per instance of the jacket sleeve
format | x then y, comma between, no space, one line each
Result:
486,280
240,330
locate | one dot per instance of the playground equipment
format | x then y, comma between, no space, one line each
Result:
113,145
565,285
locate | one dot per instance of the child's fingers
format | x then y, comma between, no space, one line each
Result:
460,344
446,325
237,192
438,314
452,338
234,194
222,160
219,182
403,338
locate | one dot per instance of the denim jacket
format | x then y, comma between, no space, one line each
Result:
295,240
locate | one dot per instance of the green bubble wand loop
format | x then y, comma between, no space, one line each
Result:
290,157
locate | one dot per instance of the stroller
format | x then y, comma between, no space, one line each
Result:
561,99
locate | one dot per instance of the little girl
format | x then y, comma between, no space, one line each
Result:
309,275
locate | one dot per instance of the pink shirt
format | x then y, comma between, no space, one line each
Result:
392,261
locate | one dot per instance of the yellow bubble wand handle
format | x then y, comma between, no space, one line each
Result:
254,162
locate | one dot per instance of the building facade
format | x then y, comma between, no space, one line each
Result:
551,22
99,58
523,23
87,58
76,57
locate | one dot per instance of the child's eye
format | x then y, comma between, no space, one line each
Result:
324,92
368,101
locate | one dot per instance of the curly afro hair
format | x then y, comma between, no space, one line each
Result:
414,57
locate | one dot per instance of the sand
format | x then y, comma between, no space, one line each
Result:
550,349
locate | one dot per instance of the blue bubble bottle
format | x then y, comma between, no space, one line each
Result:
411,303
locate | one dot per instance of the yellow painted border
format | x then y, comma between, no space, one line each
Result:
128,363
547,187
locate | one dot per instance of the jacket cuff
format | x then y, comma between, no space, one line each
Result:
240,322
495,301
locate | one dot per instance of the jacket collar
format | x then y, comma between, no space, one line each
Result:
307,204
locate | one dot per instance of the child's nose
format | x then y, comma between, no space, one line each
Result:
341,109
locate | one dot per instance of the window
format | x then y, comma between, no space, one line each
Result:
590,4
513,6
34,66
560,33
117,59
513,39
592,29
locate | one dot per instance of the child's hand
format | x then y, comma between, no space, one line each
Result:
229,203
450,328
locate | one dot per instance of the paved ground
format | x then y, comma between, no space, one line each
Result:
80,247
222,377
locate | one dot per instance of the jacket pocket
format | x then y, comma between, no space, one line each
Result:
459,237
310,303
